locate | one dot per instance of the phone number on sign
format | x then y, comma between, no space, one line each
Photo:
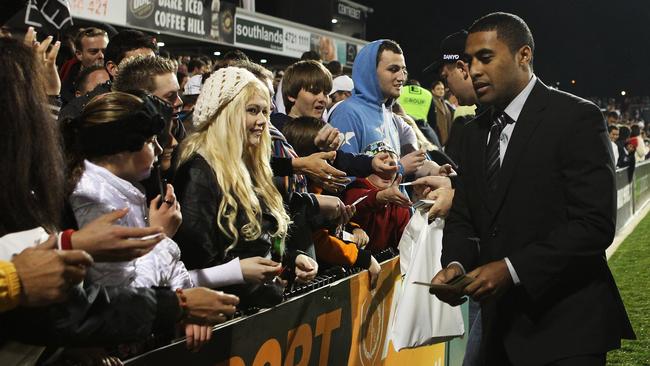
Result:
90,7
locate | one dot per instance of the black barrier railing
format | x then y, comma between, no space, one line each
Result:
341,323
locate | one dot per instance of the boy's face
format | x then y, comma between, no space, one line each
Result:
308,104
383,181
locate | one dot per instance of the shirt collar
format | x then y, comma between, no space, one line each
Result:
513,110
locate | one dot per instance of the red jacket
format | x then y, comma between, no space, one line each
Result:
384,223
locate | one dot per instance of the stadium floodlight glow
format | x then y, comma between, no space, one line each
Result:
161,44
217,53
623,92
263,61
334,20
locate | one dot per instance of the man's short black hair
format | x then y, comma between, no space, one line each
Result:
388,45
310,55
235,55
510,28
335,68
611,128
125,41
194,63
613,114
79,83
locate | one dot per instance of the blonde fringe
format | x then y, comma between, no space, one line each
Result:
221,142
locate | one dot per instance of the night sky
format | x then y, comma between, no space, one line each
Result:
603,45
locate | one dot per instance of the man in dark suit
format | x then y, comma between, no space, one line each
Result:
533,212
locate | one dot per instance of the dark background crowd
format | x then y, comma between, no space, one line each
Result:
154,195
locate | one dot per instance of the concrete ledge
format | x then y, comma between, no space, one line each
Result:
627,229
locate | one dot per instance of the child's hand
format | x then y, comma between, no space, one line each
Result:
306,268
360,237
392,194
197,335
168,215
384,165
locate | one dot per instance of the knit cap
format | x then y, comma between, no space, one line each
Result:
218,90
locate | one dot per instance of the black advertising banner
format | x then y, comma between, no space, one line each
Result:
203,19
343,323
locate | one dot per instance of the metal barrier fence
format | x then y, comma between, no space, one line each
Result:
632,193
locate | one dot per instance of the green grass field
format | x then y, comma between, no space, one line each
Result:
631,267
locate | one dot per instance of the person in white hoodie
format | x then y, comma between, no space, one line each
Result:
113,144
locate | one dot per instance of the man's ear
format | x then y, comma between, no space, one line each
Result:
111,67
291,99
77,54
463,67
525,56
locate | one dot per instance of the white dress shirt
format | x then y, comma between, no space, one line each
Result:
513,110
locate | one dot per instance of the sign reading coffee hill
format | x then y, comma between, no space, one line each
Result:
183,17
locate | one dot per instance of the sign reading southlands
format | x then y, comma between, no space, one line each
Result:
251,32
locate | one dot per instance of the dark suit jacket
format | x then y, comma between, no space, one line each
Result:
553,215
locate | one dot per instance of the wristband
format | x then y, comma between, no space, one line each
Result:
66,240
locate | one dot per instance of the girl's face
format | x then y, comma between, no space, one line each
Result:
257,116
137,165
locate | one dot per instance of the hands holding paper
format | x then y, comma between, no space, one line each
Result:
481,284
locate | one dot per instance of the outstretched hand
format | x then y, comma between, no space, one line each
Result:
47,58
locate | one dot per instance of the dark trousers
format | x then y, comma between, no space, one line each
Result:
587,360
584,360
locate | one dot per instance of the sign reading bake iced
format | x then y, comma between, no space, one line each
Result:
186,17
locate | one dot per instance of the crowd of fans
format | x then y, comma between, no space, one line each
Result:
150,197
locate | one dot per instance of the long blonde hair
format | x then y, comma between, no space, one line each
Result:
222,142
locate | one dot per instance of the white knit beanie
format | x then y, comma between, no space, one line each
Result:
218,90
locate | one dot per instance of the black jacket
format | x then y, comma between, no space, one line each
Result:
94,316
201,241
553,216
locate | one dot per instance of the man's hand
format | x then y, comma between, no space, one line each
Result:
332,208
443,197
318,168
47,274
328,138
168,215
207,306
374,270
384,165
258,270
451,297
413,161
392,194
431,183
361,239
107,242
48,59
306,268
492,279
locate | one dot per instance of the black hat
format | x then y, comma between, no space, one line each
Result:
452,49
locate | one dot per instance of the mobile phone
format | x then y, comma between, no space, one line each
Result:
162,183
423,204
